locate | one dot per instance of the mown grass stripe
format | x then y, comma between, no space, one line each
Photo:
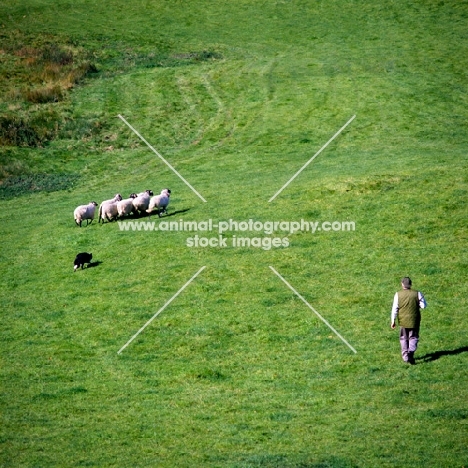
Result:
161,157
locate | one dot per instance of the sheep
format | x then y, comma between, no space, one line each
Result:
117,198
108,208
125,207
141,202
108,211
83,212
160,202
81,259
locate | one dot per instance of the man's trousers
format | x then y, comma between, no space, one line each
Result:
409,338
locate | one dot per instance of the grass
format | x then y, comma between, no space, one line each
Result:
236,372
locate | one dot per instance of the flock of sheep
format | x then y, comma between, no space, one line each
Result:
117,208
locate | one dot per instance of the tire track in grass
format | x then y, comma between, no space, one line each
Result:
187,91
221,112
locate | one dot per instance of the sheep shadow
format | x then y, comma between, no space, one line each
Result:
438,354
167,215
93,264
149,215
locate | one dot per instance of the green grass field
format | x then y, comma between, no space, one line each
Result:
237,371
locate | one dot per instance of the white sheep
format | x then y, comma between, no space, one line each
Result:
125,207
83,212
141,202
117,198
160,202
108,210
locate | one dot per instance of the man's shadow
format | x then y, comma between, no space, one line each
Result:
438,354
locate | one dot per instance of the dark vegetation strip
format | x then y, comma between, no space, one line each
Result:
12,187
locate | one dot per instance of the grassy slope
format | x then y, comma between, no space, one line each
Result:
237,372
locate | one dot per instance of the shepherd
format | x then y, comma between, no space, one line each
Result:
407,305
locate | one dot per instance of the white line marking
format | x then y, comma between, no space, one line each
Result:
312,158
161,309
311,308
157,154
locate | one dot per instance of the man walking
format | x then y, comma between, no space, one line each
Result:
406,306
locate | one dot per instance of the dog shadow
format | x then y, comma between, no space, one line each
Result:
438,354
93,264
